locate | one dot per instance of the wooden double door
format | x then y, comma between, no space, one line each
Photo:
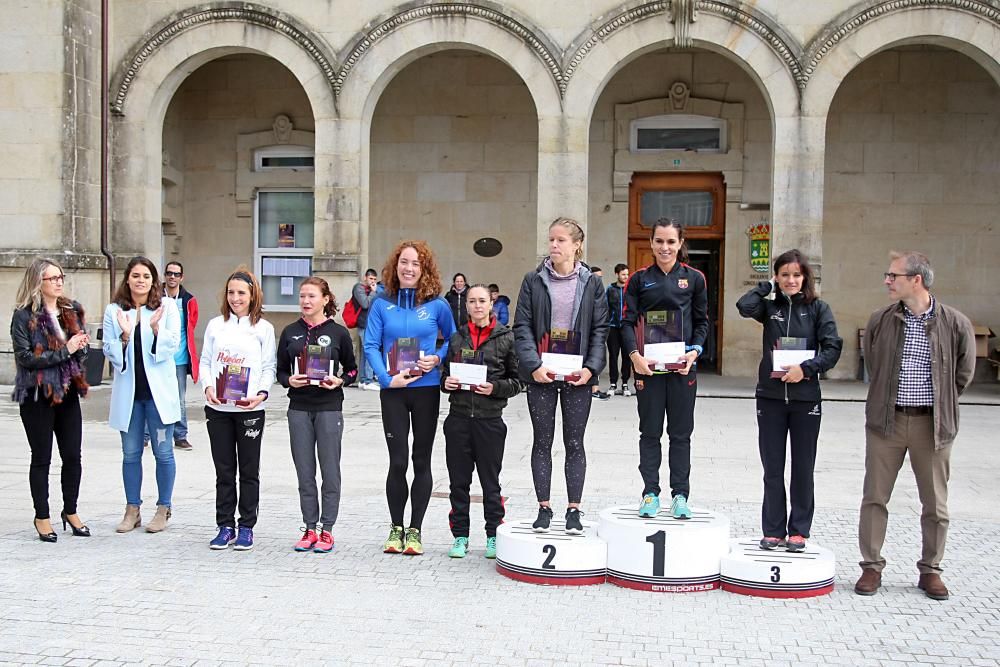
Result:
698,200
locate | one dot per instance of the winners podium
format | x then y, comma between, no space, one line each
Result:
664,554
749,570
555,558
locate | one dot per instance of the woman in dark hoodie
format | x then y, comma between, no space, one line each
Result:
474,430
560,298
315,407
789,402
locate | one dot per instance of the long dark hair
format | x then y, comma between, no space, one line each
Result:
123,295
793,256
682,254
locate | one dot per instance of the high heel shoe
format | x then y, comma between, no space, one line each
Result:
45,537
82,531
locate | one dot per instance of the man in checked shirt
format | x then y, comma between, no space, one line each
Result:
921,355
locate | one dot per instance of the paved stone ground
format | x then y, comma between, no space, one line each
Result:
168,599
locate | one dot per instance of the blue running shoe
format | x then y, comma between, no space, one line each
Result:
225,537
244,542
679,508
650,506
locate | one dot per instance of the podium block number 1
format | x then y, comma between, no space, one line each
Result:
549,549
659,542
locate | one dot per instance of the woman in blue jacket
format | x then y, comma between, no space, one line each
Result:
142,331
410,308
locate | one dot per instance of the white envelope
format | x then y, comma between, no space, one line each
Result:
562,364
469,374
664,353
781,358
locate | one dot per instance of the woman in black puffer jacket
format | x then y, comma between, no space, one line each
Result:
789,403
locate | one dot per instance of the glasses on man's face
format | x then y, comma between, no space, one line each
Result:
55,279
173,274
891,277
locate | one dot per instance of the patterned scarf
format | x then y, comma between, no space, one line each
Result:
53,382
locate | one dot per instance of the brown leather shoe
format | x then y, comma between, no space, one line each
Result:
869,582
932,586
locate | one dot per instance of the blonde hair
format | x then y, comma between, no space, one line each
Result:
30,291
575,233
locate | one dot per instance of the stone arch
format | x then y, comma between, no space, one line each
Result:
751,38
137,134
971,27
177,25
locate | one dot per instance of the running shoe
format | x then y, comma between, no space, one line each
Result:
650,506
325,543
573,523
771,543
459,548
412,546
394,543
613,390
225,537
244,539
541,524
795,543
619,391
625,391
679,507
308,541
491,547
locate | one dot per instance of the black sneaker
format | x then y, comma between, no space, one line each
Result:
600,395
573,524
541,524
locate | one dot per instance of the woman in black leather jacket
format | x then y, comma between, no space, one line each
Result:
788,401
50,349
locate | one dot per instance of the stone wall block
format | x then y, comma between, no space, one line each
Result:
918,188
883,156
441,187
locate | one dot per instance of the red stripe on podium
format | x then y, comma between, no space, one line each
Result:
775,593
664,588
551,581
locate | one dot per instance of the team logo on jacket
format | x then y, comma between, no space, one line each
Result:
682,283
323,340
422,314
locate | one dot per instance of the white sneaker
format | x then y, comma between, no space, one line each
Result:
373,386
626,392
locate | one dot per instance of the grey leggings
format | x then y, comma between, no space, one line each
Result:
311,434
575,403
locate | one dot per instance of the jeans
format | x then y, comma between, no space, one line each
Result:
365,374
181,427
145,416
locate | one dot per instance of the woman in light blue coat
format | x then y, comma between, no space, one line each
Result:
144,388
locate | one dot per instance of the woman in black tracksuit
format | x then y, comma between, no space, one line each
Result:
668,284
474,430
561,293
791,404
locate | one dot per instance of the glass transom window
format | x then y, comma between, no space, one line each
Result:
678,132
693,209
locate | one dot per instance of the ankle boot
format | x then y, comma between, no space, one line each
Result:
159,521
131,519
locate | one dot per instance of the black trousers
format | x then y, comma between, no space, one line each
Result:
671,395
41,421
235,438
778,422
401,408
474,444
615,350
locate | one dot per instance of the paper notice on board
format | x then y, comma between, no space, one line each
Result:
287,286
287,266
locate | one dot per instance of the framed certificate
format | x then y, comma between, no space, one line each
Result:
469,368
315,363
663,339
403,357
232,384
790,352
561,355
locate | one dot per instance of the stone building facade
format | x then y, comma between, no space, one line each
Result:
843,128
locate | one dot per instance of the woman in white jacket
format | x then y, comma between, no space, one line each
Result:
236,373
142,331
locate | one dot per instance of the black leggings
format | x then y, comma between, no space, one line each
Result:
41,421
575,402
401,408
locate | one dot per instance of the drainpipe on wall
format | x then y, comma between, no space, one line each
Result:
105,246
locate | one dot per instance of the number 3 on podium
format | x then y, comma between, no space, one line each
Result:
775,574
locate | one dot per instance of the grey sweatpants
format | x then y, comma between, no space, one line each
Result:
312,434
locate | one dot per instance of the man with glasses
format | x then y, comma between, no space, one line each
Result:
186,357
921,355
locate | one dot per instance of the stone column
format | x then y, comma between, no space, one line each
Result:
562,173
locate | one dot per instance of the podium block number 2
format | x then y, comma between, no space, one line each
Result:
549,549
659,542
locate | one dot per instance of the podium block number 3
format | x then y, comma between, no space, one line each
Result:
549,549
775,574
659,542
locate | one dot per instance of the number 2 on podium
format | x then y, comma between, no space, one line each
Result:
659,542
549,549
